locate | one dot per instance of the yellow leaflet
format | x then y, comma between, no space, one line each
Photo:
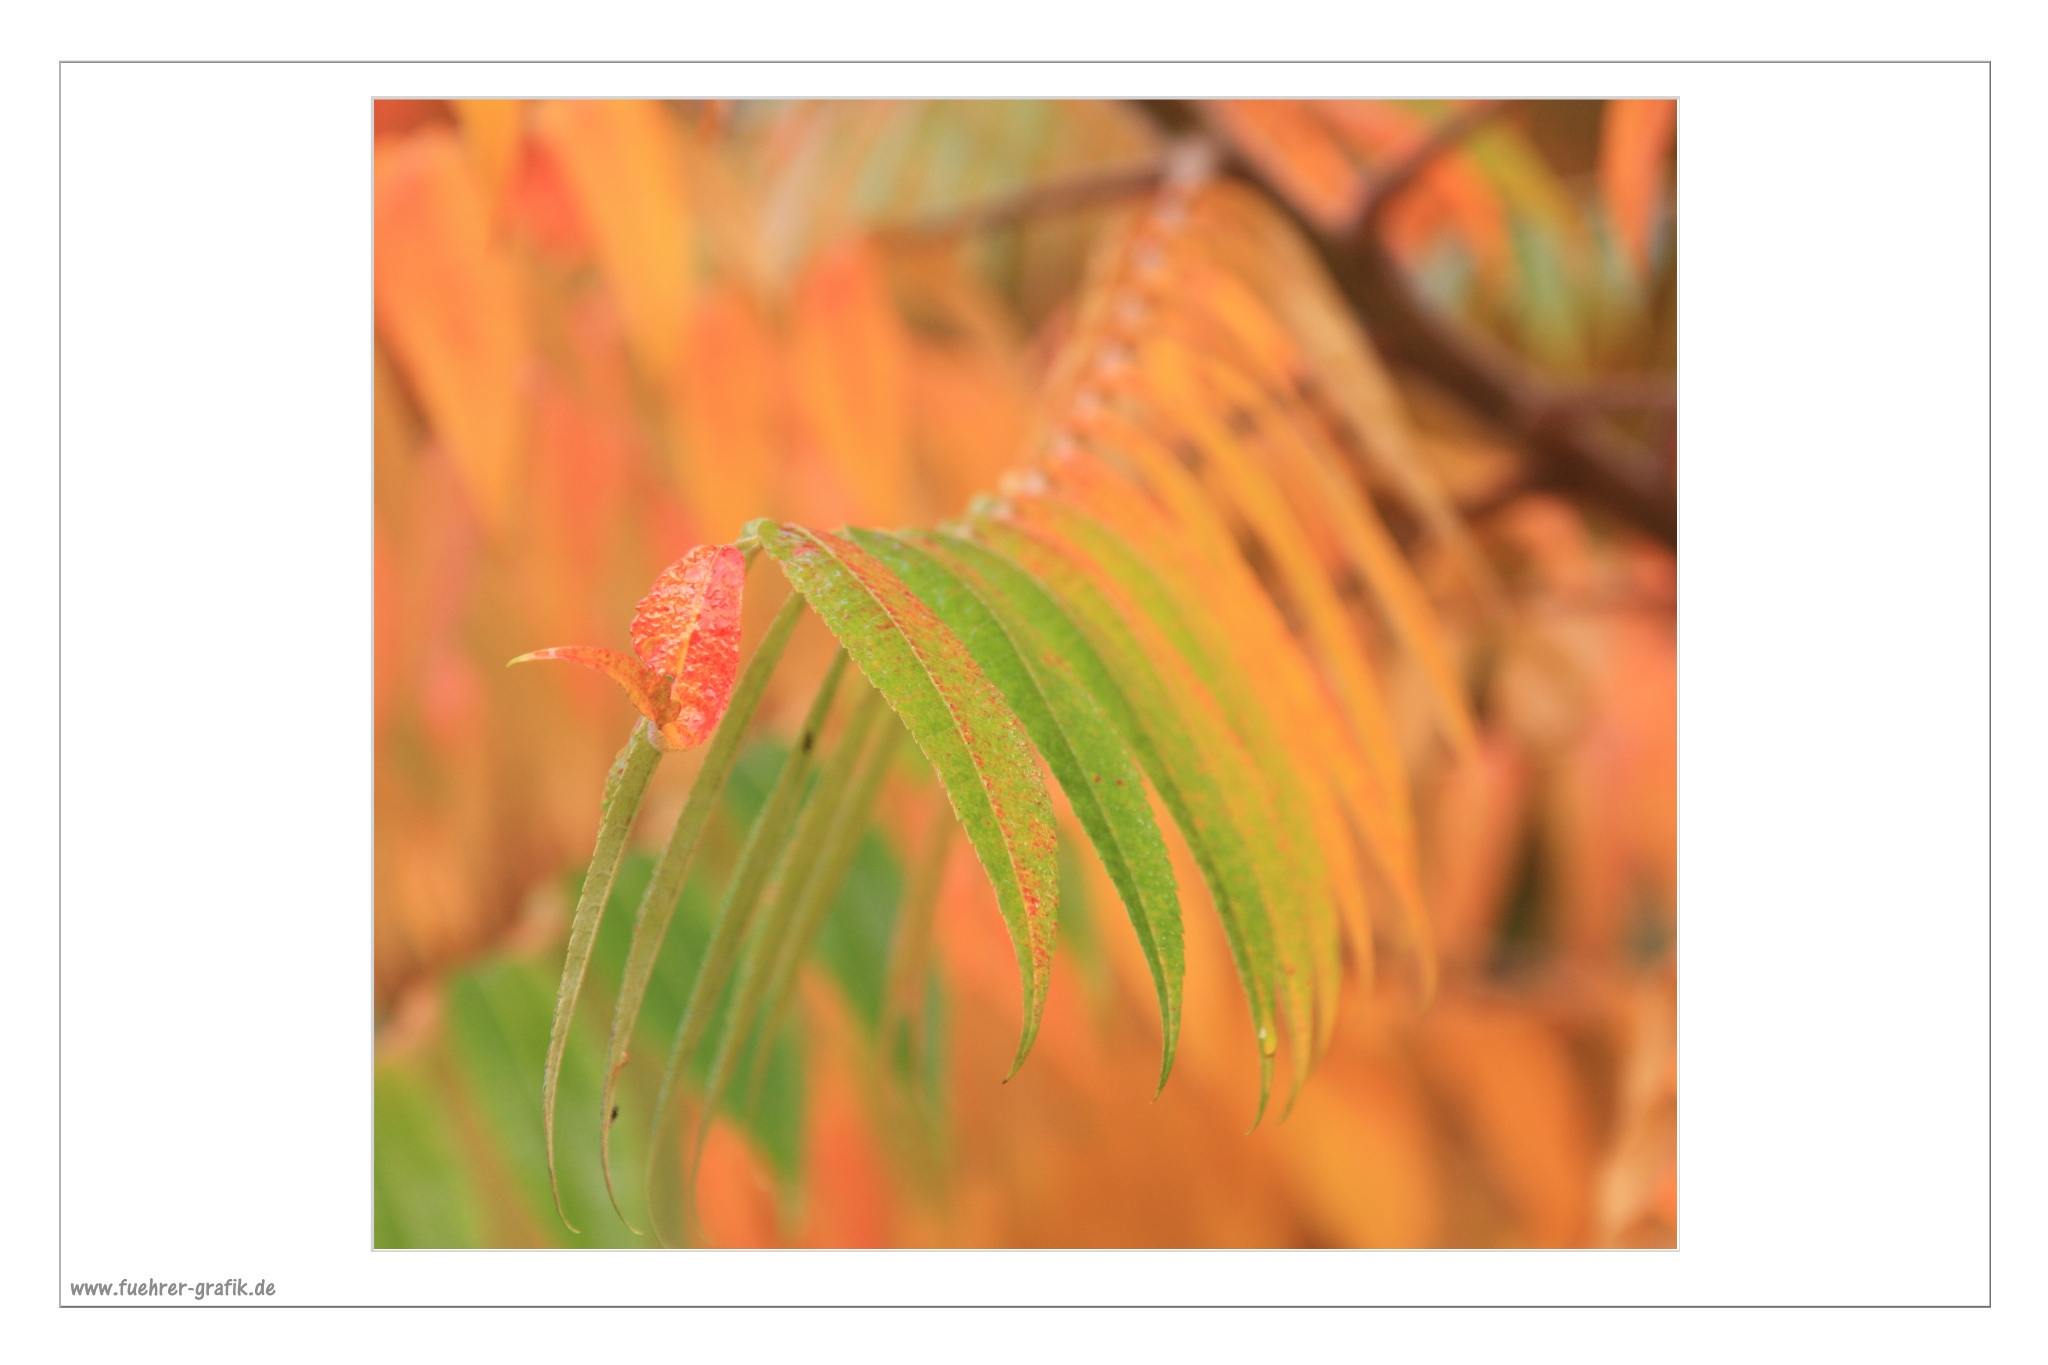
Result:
1170,374
1185,500
1155,573
850,355
627,163
1305,456
1247,237
448,307
727,412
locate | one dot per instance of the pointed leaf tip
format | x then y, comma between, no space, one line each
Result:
641,687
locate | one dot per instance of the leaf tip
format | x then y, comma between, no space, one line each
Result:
555,1187
1165,1070
1265,1090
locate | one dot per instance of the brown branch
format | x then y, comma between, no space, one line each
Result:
1573,450
1644,393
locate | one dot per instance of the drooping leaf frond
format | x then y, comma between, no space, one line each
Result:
1186,590
1208,767
1094,768
958,719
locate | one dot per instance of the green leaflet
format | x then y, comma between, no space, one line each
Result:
1099,652
1304,918
959,721
658,905
848,798
1174,691
808,869
624,785
1168,518
1085,753
757,859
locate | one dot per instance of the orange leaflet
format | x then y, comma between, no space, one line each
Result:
738,1207
1286,140
626,163
1508,1078
686,646
850,362
449,309
728,411
1634,142
492,130
1242,626
541,207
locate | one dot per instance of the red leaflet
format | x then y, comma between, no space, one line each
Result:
688,627
686,634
